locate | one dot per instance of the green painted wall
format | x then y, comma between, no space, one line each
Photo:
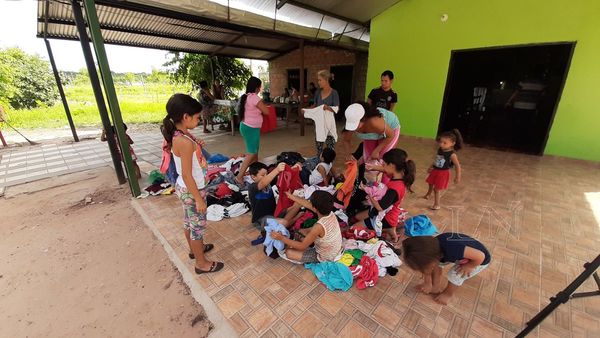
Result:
411,40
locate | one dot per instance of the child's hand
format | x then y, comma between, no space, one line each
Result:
201,206
276,235
369,166
280,167
375,155
289,195
457,180
465,270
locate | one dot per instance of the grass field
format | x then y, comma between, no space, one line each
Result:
139,104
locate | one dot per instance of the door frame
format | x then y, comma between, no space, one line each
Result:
450,73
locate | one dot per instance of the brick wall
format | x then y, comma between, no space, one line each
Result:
317,58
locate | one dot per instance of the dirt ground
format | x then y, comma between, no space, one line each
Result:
75,269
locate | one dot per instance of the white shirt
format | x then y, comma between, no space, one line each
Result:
315,175
198,173
324,122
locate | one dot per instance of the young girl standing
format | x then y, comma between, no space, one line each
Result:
183,113
401,170
252,109
439,173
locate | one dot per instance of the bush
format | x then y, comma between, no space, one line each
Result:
26,81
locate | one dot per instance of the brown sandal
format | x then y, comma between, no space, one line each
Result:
216,266
207,248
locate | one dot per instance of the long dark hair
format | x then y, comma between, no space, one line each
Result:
455,136
370,110
399,158
177,106
252,85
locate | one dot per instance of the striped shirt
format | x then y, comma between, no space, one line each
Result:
329,246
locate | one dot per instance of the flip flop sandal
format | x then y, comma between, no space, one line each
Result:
207,248
216,266
435,208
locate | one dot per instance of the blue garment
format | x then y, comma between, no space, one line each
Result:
270,243
419,225
217,158
335,275
453,247
205,153
171,173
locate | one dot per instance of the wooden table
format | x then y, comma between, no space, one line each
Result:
288,109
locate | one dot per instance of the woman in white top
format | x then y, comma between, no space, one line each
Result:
183,113
325,234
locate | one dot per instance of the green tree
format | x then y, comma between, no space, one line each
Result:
30,81
157,76
231,72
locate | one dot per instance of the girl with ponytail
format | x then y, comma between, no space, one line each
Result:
251,111
449,143
183,114
401,172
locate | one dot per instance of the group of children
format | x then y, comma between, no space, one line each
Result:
323,241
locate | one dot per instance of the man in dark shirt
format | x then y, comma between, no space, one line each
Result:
384,96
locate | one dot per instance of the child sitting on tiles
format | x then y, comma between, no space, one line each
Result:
323,172
428,254
325,234
401,170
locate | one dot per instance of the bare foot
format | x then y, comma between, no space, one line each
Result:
435,207
422,288
442,298
426,196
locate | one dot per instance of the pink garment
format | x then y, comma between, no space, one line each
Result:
166,157
377,190
370,145
252,115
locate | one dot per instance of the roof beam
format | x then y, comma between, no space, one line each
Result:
142,8
321,11
227,44
150,46
280,3
165,36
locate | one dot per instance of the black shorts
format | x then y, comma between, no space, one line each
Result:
372,214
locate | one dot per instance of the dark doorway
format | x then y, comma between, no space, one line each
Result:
505,98
342,82
294,79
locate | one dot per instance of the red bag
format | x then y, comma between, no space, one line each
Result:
288,181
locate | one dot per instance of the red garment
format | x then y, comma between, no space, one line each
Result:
366,273
288,180
166,157
359,232
347,189
305,216
393,216
439,178
223,190
269,121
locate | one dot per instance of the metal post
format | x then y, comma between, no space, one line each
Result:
61,91
111,93
302,81
95,81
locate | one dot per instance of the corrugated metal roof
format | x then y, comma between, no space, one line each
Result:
139,24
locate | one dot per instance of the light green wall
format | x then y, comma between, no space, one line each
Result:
411,40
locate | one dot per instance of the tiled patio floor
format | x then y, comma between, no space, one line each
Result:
539,216
26,164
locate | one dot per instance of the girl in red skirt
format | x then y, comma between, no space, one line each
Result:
439,173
